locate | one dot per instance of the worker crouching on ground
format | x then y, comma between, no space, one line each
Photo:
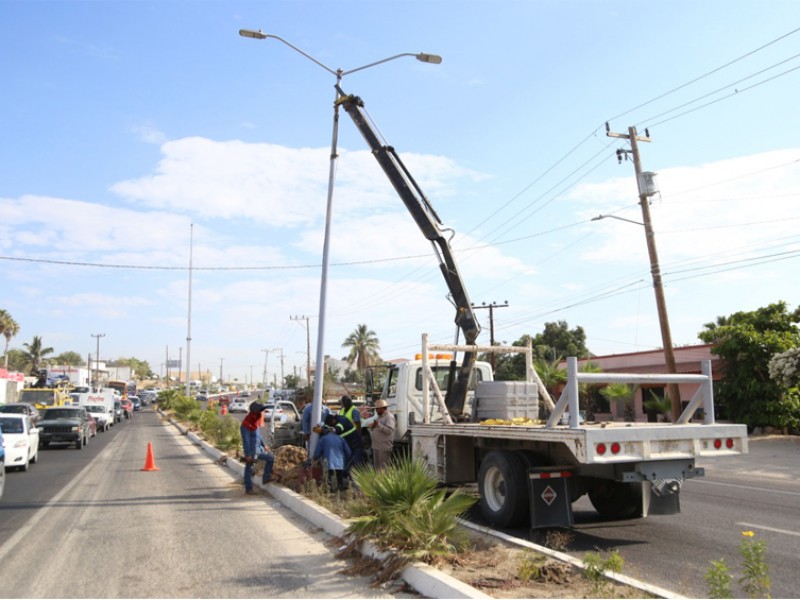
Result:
254,447
382,435
336,453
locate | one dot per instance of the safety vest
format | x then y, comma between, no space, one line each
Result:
348,414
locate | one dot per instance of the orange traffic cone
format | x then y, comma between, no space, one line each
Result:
150,462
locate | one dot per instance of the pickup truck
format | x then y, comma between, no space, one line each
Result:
65,424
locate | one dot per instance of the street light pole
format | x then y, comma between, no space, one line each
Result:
97,360
316,409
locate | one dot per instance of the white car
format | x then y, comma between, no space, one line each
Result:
20,441
239,405
100,415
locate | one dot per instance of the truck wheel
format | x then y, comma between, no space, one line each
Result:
503,489
614,499
79,444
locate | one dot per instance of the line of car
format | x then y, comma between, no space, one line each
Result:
25,429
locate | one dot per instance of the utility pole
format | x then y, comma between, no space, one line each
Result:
220,372
266,358
308,346
661,304
97,359
491,308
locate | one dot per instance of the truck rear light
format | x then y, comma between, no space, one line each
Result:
601,448
729,443
718,444
615,448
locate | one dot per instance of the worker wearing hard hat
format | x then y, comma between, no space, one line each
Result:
382,429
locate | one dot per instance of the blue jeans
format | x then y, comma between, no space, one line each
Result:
269,460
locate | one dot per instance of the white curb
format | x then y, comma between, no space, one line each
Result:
425,579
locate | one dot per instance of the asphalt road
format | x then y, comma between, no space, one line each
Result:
93,524
759,492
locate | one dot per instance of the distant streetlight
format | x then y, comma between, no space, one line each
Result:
338,73
599,217
97,360
661,303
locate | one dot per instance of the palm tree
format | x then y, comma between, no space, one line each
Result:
35,353
8,328
364,346
550,374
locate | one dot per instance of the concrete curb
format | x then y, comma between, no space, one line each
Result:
425,579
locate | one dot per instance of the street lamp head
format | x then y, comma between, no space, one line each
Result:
434,59
249,33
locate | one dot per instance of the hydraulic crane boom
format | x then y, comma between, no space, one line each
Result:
431,226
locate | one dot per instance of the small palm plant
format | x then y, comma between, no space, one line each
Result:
621,392
401,508
661,406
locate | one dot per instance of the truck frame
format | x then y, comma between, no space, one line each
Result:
533,471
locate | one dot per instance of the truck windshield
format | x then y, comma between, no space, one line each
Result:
442,375
41,397
59,413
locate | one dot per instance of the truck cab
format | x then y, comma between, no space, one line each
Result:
403,389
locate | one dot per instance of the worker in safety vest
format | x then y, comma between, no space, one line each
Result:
348,426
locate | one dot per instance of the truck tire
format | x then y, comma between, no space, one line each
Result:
503,488
614,499
80,443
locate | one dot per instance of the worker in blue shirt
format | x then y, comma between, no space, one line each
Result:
337,454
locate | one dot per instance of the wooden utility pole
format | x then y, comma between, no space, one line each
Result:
644,200
491,308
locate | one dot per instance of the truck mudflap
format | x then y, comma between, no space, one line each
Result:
550,502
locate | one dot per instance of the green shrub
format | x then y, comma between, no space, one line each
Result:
594,569
401,507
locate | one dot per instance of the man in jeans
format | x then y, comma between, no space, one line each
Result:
254,447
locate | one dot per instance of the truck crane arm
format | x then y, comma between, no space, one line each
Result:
431,226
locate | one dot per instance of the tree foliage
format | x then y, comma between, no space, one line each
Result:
746,342
364,347
139,368
8,329
70,358
35,354
556,342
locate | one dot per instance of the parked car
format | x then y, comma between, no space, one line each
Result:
286,428
92,424
127,406
100,416
22,408
20,439
239,404
2,463
137,403
65,424
283,411
119,412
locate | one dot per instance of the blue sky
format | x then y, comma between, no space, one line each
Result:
124,123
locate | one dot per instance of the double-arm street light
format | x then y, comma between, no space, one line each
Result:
339,74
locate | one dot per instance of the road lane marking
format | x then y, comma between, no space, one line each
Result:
23,531
746,487
774,529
